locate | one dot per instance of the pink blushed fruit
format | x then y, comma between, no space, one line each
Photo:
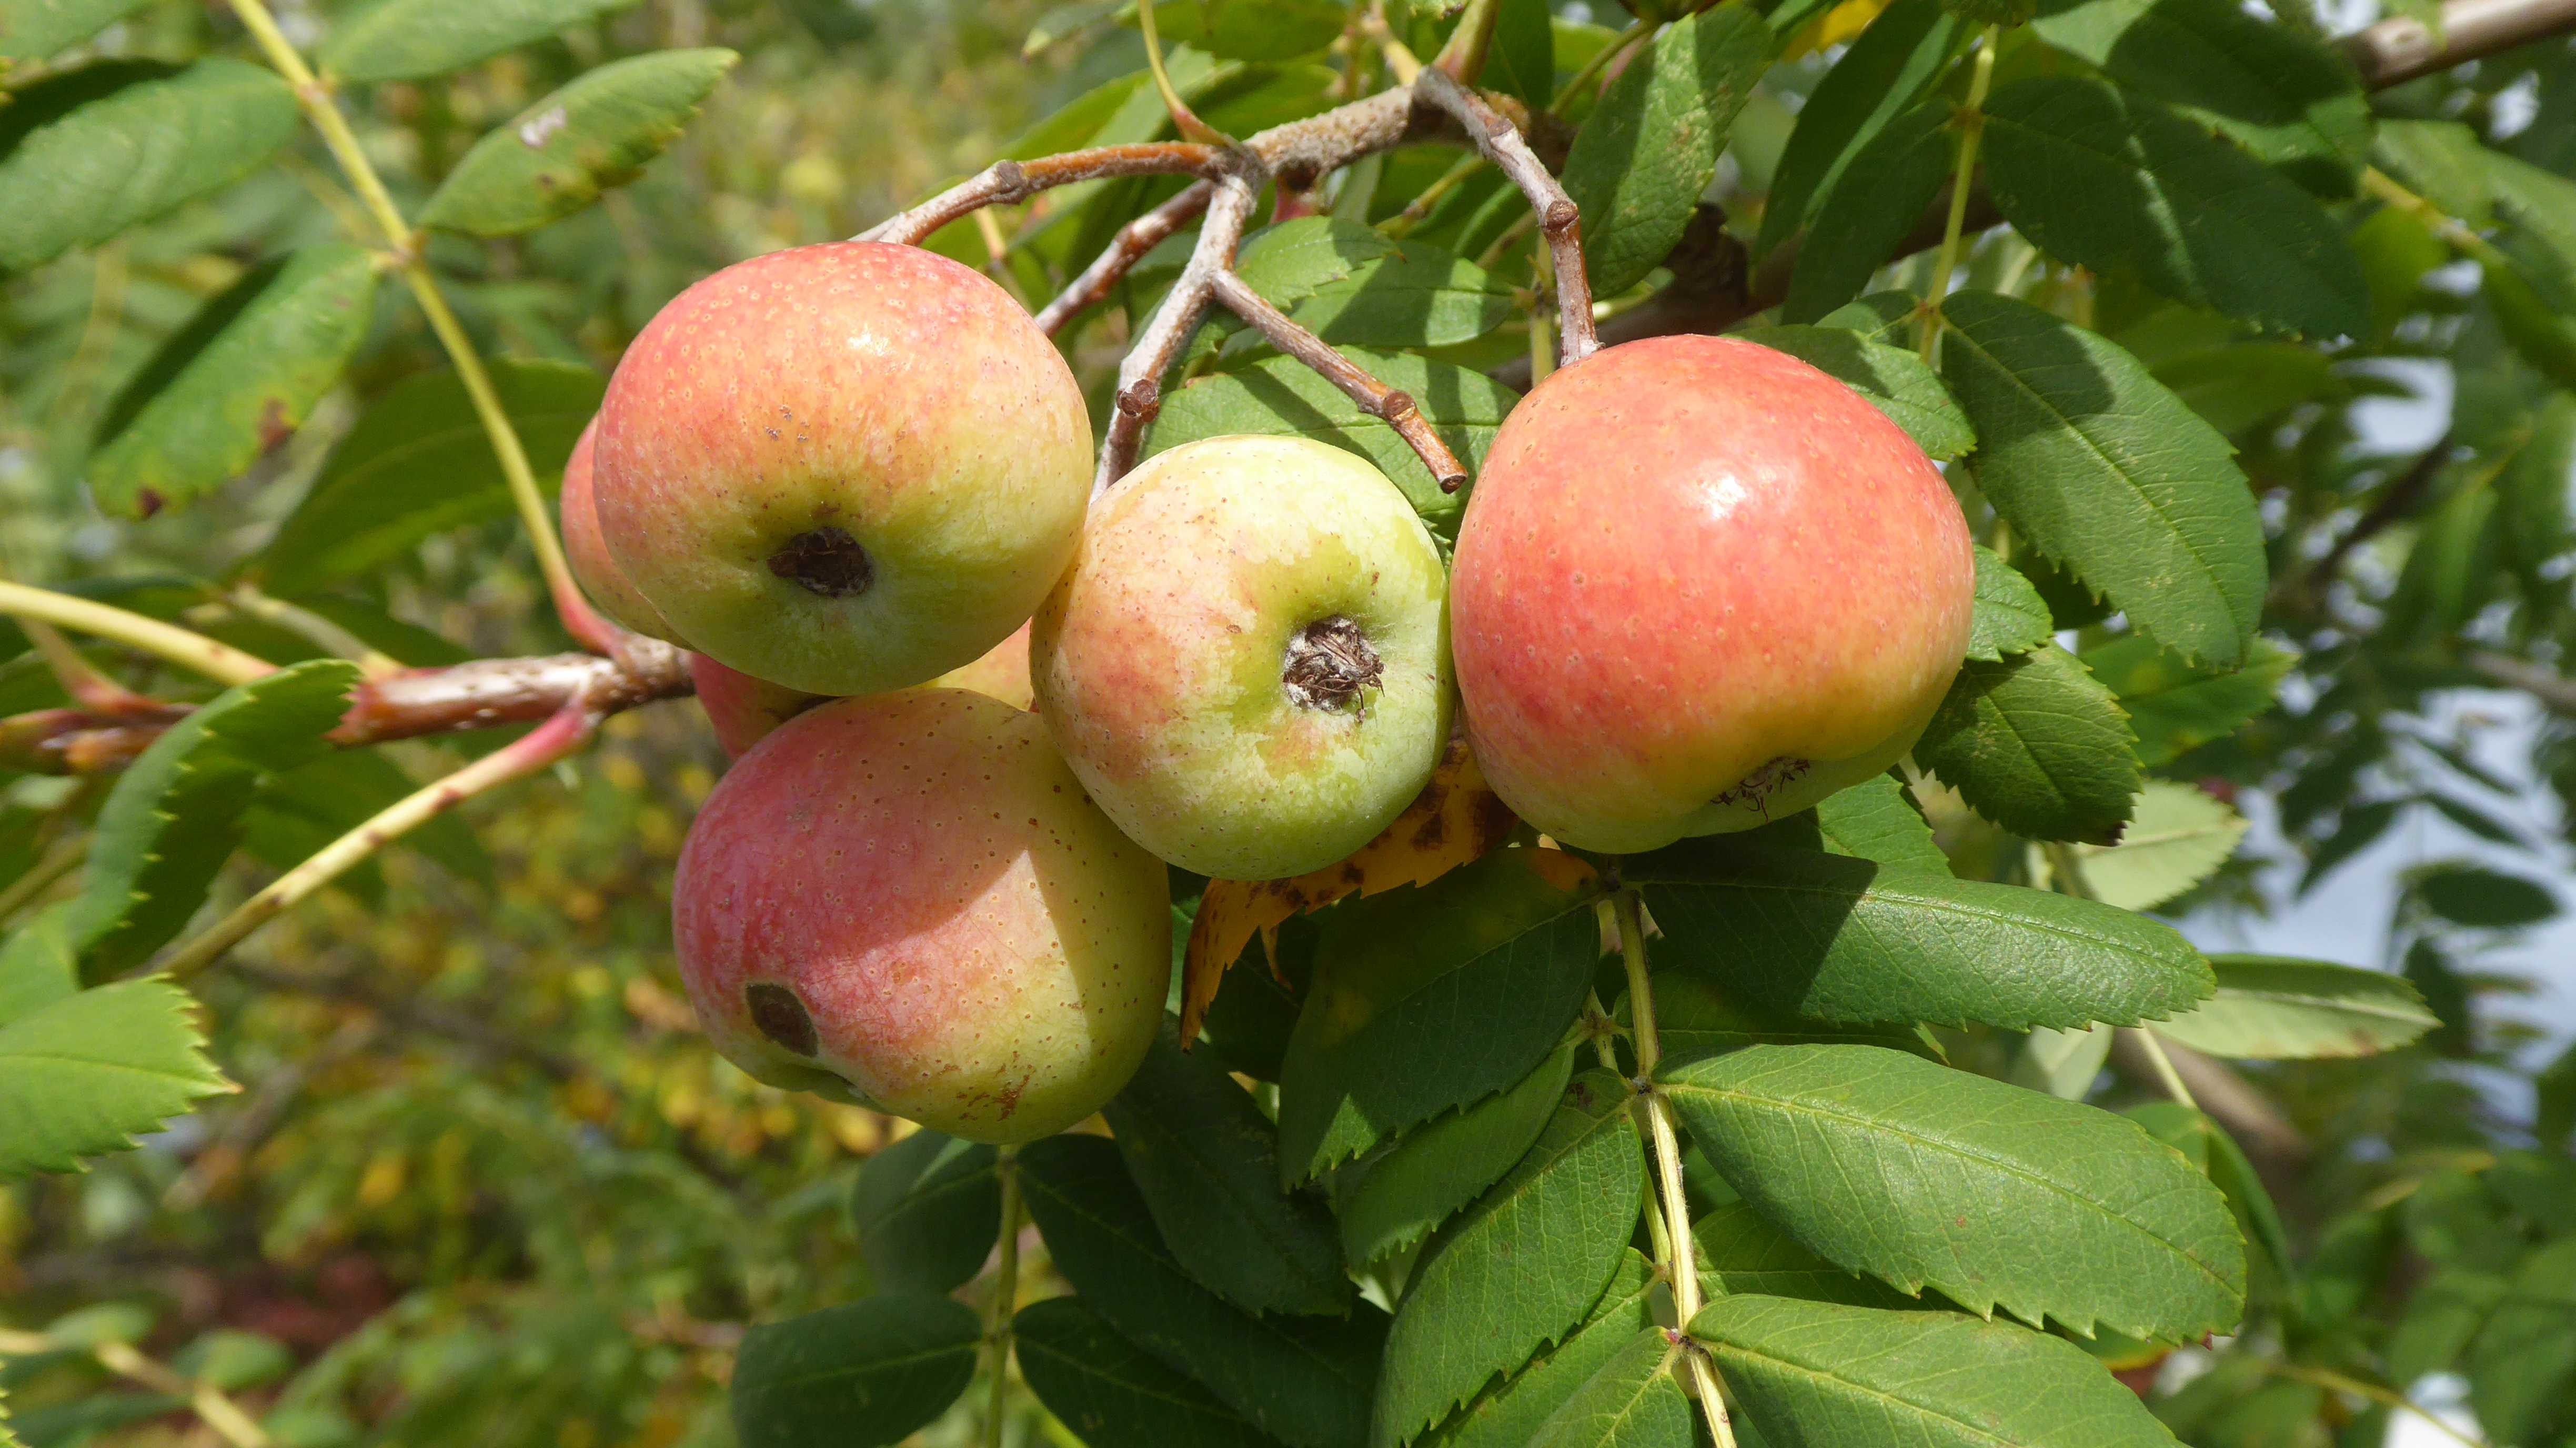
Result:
744,709
905,901
601,580
843,468
1700,585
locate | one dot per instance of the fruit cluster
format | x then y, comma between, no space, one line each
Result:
1699,585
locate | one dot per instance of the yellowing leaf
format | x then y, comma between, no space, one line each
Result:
1455,819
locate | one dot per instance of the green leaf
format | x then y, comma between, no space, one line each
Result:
315,803
1269,30
1924,1176
2525,1355
2103,469
232,384
2062,1063
1494,957
1650,147
2259,84
2239,385
37,963
85,1074
2111,180
35,29
1303,1380
1741,1254
1521,61
1884,190
2441,1318
559,154
2010,616
414,39
418,462
1510,1413
1352,285
1389,1201
1850,940
1633,1401
927,1209
1282,396
1883,74
1876,820
2291,1011
1696,1016
2445,162
1817,1373
1521,1266
2215,1154
1207,1162
1110,1393
2175,707
864,1373
2485,899
175,814
90,152
1891,379
2178,838
2037,745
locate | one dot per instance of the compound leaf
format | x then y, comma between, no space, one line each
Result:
1509,1414
2037,745
1891,379
412,39
2105,470
235,381
1521,1266
2275,1009
1920,1175
865,1373
1842,939
927,1210
2010,617
1390,1201
1110,1392
90,152
85,1073
559,154
1650,148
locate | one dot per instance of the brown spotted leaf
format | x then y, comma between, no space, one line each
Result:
1457,818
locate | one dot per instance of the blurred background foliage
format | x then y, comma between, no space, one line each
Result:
485,1183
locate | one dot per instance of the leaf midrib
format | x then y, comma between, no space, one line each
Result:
2002,1164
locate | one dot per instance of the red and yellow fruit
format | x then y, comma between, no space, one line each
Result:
1700,585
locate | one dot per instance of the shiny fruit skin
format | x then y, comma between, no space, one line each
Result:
904,901
601,580
1700,585
1159,659
843,468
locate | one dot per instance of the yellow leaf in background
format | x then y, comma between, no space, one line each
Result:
1455,819
1834,27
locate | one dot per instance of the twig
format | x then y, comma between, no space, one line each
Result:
550,741
79,677
1126,249
1140,377
2162,1065
312,627
61,860
315,98
1683,1263
193,651
1971,121
1502,143
482,694
1006,183
1396,409
2395,503
2401,48
2385,1397
1006,1292
2556,692
205,1399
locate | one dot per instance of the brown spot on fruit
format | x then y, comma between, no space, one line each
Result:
825,561
781,1017
1329,664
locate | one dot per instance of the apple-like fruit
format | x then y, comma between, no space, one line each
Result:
843,468
903,901
1700,585
744,709
601,580
1246,663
